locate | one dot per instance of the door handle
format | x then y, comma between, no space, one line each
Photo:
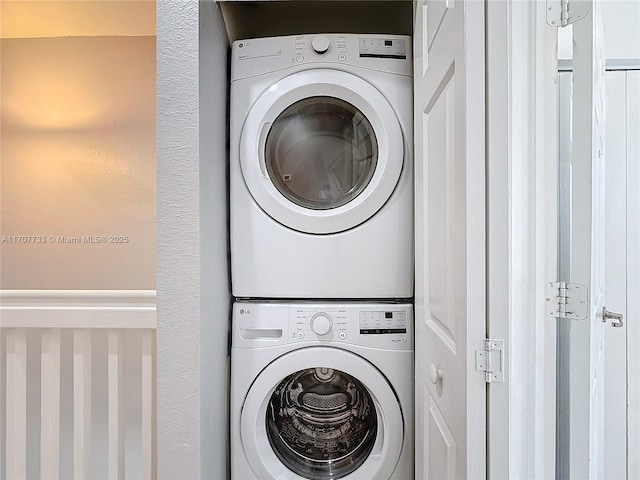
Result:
616,318
435,374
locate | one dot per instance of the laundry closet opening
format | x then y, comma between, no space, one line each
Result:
331,146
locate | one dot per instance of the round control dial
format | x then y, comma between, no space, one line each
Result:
320,44
321,324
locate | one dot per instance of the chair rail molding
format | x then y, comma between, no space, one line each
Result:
69,308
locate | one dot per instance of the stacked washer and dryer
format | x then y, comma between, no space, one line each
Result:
322,258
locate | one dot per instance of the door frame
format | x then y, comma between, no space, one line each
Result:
522,152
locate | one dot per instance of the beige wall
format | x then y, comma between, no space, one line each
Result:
78,160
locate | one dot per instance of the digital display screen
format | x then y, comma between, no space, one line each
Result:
383,48
383,322
381,331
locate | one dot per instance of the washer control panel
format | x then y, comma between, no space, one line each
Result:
386,322
267,323
383,325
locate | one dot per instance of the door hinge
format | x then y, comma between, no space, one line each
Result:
566,300
561,13
490,360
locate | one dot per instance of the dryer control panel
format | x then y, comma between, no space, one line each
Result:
386,53
381,325
383,48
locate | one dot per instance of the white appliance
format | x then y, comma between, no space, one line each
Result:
322,390
321,167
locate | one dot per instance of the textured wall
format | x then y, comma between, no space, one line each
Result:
78,161
192,275
178,241
214,273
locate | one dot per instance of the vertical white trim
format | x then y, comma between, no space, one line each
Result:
16,404
633,273
522,243
499,251
545,252
585,385
563,328
148,406
115,401
81,403
476,227
50,404
523,446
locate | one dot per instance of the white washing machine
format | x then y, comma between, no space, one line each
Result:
322,390
321,167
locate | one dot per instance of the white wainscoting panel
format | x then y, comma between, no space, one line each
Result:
103,331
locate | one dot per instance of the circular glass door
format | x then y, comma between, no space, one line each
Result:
321,152
321,423
321,412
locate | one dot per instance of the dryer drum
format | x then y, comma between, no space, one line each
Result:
321,423
321,152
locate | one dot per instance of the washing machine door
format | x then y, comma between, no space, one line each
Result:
320,413
321,151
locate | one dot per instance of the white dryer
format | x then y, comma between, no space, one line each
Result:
321,391
321,167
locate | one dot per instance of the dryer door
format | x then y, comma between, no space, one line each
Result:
321,151
319,413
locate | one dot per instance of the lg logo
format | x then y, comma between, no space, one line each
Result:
245,312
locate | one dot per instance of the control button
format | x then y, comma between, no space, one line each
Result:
299,58
342,335
342,57
321,324
300,334
320,44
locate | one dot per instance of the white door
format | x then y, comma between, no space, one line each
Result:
615,346
449,126
622,281
633,271
582,446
